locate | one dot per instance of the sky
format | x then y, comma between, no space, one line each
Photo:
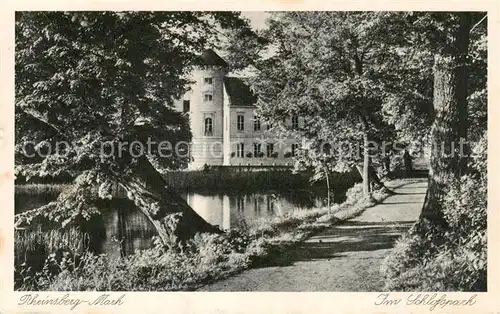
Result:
257,18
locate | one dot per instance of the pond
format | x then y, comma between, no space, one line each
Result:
122,229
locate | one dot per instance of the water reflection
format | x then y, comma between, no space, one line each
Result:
125,230
237,211
122,228
24,202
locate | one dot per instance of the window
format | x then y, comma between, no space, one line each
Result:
185,106
256,123
268,127
256,205
208,80
295,147
327,149
240,148
241,122
240,204
270,204
208,97
256,149
295,123
209,128
270,149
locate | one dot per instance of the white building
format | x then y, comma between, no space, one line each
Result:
225,128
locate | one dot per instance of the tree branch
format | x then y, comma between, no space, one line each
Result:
477,24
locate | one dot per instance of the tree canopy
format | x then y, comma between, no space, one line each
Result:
97,81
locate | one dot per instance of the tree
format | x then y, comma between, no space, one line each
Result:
101,81
408,102
332,78
450,41
452,226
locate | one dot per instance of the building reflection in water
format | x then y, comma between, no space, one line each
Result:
127,229
236,211
123,228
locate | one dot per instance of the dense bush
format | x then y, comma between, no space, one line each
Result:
205,258
452,258
34,247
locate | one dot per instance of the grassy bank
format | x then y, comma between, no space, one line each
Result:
218,179
229,180
34,248
222,180
204,259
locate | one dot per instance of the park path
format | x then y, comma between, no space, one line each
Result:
344,257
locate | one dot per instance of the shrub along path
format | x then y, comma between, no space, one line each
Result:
344,257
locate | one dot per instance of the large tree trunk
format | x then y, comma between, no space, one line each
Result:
365,174
450,122
172,217
174,220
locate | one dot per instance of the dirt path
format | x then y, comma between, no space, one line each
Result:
345,257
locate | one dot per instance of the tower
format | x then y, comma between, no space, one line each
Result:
205,104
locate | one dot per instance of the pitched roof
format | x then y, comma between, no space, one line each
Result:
211,58
239,93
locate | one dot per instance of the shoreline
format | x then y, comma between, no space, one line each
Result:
210,258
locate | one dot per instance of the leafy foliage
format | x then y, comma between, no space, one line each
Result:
450,255
100,82
448,259
114,70
336,79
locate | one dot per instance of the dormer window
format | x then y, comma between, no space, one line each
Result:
207,80
208,97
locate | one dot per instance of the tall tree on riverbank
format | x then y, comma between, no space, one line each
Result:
99,80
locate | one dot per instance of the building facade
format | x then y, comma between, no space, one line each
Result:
225,127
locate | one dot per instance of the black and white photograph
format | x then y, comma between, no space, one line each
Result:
238,151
